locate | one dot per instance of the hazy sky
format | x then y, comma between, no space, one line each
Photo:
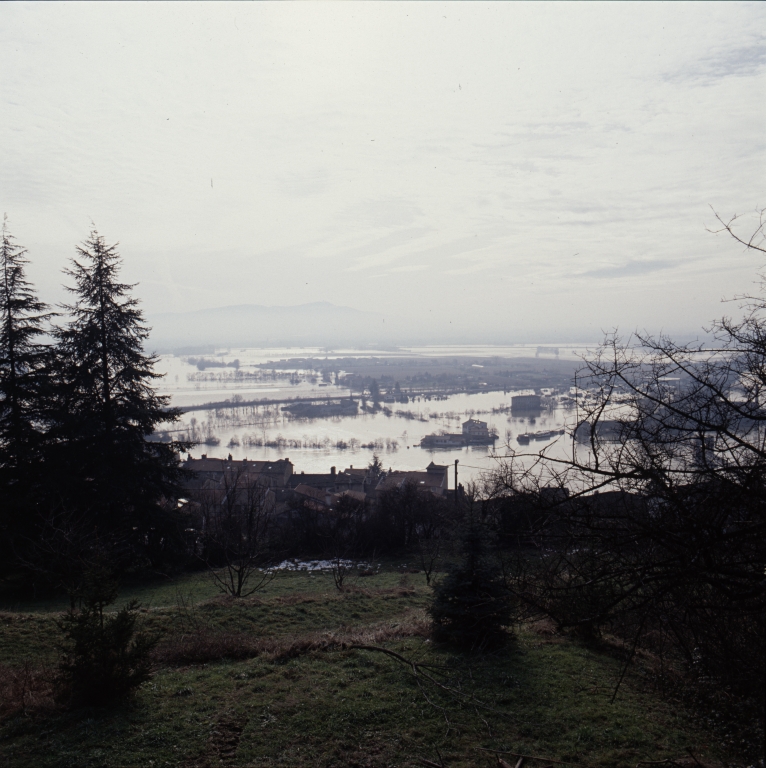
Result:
521,168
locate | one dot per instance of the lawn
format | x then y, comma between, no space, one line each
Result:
299,694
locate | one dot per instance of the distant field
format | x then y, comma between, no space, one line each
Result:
298,695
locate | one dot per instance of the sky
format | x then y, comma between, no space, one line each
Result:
473,171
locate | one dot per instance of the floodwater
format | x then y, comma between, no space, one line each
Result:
315,445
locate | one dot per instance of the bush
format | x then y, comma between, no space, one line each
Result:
25,689
105,657
471,606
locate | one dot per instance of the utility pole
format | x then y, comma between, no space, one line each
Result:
456,462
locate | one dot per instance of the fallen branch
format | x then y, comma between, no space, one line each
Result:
679,762
524,757
502,764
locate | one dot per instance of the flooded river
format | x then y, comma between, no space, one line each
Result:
314,445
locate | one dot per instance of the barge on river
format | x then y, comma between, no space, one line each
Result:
527,437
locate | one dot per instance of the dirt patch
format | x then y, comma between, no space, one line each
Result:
305,598
207,645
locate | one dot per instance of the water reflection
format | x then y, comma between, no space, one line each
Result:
313,445
393,431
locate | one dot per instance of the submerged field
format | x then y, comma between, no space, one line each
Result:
281,679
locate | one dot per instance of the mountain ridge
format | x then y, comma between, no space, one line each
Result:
312,323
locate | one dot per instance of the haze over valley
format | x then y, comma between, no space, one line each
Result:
464,173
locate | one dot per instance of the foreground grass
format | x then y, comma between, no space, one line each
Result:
305,698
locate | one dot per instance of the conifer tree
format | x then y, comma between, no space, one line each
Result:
471,607
23,371
107,404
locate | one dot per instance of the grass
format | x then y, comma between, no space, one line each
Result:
300,696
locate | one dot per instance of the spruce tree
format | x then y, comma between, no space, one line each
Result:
107,406
471,607
106,656
23,376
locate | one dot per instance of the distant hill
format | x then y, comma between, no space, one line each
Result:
252,325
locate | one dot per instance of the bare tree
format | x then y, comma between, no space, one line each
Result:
344,537
431,533
237,515
656,523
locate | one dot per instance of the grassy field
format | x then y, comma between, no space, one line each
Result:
276,680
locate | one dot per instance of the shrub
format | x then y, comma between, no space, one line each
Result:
24,689
471,606
105,657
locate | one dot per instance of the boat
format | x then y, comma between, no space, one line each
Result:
550,434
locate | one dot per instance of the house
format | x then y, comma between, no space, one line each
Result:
274,474
605,430
332,481
476,432
525,403
443,441
433,480
360,479
315,497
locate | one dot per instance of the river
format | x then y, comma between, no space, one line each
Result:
316,445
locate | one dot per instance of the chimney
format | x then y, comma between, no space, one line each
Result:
204,455
332,471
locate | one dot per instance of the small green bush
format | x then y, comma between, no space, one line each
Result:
105,657
471,606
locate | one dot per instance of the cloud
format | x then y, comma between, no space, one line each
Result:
632,268
580,131
410,268
742,61
306,184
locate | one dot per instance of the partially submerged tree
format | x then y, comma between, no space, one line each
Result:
375,391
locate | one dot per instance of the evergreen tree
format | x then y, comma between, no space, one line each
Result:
22,383
106,656
107,405
471,606
22,357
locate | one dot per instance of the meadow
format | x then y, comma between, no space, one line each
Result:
306,675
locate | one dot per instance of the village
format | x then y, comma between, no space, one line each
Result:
285,487
281,487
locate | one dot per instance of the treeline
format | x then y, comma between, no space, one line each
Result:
78,478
